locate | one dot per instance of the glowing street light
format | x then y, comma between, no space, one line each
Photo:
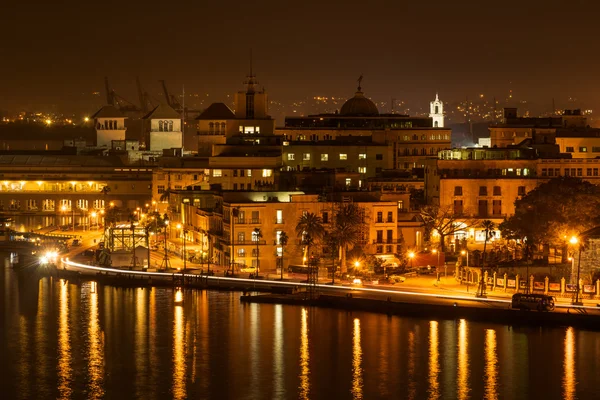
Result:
411,255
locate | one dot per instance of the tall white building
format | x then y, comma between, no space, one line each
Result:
110,125
436,112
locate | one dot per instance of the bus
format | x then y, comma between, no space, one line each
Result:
529,301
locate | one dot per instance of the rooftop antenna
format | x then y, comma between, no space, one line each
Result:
360,78
183,121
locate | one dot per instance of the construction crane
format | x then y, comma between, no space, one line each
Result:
171,99
121,103
174,103
144,97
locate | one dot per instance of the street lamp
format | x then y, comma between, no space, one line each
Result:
575,241
411,255
437,266
94,215
65,209
183,255
463,252
166,257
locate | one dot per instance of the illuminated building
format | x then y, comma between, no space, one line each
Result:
411,139
436,112
109,123
163,129
51,184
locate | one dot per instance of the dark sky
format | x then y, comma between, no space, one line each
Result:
57,53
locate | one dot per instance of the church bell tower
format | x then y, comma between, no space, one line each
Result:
436,112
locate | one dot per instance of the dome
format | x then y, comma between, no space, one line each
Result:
359,105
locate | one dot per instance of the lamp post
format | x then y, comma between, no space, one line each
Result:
411,255
463,252
437,266
65,209
166,257
94,215
183,255
574,240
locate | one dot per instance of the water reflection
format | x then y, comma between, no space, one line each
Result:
64,369
96,349
357,379
434,365
278,369
491,365
412,385
463,361
141,341
179,390
304,357
569,380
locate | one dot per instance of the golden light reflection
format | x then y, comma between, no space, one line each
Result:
179,390
434,356
569,380
141,343
491,365
463,361
278,353
304,357
412,385
24,364
95,349
64,370
357,379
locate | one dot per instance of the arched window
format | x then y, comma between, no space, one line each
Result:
423,152
211,127
437,109
160,126
415,137
170,126
435,124
406,152
423,137
415,152
223,127
115,124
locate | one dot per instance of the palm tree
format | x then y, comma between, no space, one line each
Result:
332,244
166,195
346,225
256,236
309,230
283,240
488,228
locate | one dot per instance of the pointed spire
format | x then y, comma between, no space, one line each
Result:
437,97
360,78
251,81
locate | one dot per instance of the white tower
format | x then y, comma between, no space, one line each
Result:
436,112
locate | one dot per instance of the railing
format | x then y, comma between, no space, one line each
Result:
249,242
243,221
387,241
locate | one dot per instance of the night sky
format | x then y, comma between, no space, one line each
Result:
57,53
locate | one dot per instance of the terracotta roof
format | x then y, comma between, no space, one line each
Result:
162,111
217,111
108,111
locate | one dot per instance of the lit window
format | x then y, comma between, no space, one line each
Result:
249,172
343,156
324,157
306,156
348,181
249,130
583,149
362,156
291,156
362,170
217,173
267,173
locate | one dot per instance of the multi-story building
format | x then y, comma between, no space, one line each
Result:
70,184
212,223
411,139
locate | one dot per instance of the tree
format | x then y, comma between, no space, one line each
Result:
256,236
488,228
309,229
283,241
560,207
166,195
347,222
333,246
444,221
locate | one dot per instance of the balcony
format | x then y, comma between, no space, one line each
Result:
248,221
249,242
387,241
